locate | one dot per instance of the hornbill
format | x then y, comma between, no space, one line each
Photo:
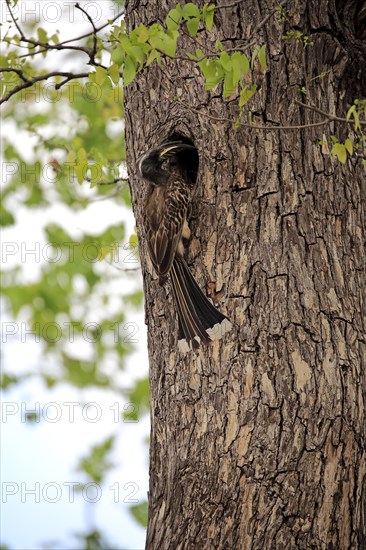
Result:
165,225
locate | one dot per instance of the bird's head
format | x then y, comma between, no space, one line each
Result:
150,164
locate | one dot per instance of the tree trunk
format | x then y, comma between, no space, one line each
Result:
258,441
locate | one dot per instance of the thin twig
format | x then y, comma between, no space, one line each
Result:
94,33
253,126
22,36
7,41
98,29
231,5
328,115
116,180
264,21
120,268
58,47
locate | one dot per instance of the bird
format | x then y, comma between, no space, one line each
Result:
166,171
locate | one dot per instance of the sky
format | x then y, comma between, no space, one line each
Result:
40,506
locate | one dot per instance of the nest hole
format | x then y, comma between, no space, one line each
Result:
188,160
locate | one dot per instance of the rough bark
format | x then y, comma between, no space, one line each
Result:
258,442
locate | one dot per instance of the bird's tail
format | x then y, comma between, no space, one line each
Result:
199,321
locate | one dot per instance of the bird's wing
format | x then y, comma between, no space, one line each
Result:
164,239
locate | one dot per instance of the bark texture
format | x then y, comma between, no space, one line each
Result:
258,441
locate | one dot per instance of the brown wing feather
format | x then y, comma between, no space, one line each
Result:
167,208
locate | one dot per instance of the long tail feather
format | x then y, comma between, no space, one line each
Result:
199,320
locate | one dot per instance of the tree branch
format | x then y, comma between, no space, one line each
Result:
44,47
19,72
28,83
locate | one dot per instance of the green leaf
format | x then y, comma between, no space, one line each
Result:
97,464
7,380
240,66
192,26
142,33
212,71
100,75
152,56
95,174
81,165
348,145
192,56
199,53
246,94
169,45
138,54
139,512
135,299
191,10
32,417
138,400
219,46
83,374
350,112
42,35
339,150
82,154
113,72
118,55
225,61
6,217
174,18
357,121
254,55
262,57
126,42
228,84
208,14
156,32
133,241
129,71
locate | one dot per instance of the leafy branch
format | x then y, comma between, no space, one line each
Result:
45,47
232,68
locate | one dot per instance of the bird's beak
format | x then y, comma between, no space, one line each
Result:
165,151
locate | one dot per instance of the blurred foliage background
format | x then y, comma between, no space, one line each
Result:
64,156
